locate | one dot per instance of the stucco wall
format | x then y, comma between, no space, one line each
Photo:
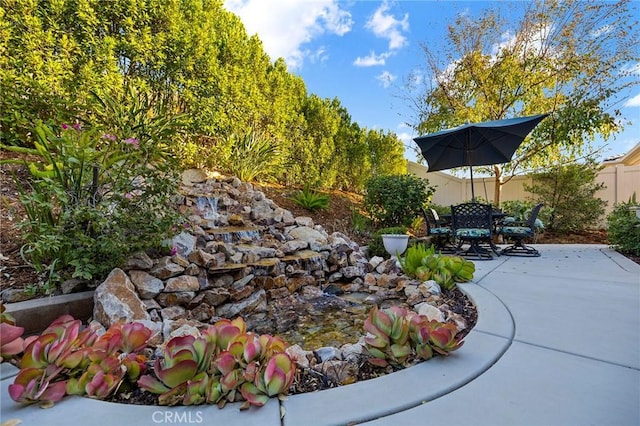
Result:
620,180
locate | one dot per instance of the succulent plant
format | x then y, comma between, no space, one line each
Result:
277,376
61,348
11,341
461,270
227,330
58,344
37,385
224,363
420,335
398,336
443,337
255,365
424,264
99,380
412,260
5,317
184,357
387,336
123,337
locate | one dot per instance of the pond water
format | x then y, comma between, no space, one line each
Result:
332,326
329,320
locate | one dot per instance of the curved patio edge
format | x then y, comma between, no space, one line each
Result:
354,403
419,384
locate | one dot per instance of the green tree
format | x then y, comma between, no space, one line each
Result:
193,58
569,193
563,57
396,200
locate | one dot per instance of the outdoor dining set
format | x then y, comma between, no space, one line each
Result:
471,230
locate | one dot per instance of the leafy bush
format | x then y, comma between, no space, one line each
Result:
624,228
396,200
520,211
568,193
376,246
95,198
310,199
254,157
440,209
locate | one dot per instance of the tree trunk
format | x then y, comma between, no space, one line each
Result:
497,189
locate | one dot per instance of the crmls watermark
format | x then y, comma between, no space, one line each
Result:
175,417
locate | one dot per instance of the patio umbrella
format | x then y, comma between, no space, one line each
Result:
478,144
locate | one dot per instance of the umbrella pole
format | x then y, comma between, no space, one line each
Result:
468,152
473,193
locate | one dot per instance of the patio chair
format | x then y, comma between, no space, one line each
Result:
473,223
440,233
518,231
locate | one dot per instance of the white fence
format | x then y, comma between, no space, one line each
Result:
620,181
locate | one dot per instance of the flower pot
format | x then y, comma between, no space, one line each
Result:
635,209
395,244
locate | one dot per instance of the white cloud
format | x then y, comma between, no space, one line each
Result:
318,56
405,137
284,26
385,25
371,60
386,78
633,102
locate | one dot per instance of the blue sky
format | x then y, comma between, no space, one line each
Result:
362,52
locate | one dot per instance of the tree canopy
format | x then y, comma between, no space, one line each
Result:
567,58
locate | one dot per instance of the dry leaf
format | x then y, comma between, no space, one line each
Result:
11,422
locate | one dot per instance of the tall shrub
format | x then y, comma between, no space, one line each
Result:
624,228
569,193
395,200
96,196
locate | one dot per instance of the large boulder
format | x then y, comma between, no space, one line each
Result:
309,235
116,300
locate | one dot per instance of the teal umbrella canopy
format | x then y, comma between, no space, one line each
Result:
476,144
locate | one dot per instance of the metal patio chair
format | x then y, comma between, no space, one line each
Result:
442,236
517,232
473,223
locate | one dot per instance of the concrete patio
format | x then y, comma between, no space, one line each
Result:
557,343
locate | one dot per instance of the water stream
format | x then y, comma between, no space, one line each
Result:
208,208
